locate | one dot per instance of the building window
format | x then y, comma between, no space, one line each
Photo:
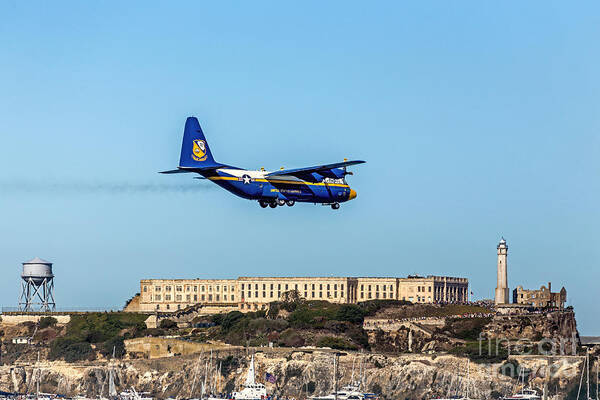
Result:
286,286
179,288
157,288
312,294
232,297
264,294
168,307
217,297
157,297
321,294
188,297
167,297
362,295
158,306
195,288
255,294
305,294
313,287
210,297
249,294
242,286
202,297
178,297
202,288
384,294
334,294
188,288
256,287
145,288
195,297
168,288
271,294
328,294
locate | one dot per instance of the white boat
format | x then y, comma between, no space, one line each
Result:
134,395
348,392
252,390
526,394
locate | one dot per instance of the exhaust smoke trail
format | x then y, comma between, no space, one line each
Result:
60,188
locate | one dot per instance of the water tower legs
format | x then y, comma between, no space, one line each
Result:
37,296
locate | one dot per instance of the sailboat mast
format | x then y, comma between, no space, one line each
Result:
597,366
468,375
587,357
335,376
39,375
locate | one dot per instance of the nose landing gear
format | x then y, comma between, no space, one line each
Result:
335,206
290,203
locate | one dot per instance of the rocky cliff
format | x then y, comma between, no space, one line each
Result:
299,374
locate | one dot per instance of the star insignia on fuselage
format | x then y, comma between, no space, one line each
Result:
246,179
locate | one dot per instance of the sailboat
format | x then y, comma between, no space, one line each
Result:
586,367
526,393
252,390
348,392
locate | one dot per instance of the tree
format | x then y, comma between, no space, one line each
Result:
167,324
46,322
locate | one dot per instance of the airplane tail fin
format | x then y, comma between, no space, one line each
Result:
195,152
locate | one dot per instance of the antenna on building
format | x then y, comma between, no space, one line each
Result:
37,286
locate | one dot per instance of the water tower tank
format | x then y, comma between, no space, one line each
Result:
37,270
37,284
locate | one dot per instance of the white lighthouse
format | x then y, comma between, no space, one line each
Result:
502,285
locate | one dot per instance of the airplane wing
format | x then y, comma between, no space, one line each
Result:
319,169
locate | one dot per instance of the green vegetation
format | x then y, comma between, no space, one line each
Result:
46,322
103,330
466,328
167,324
480,354
305,322
336,343
71,350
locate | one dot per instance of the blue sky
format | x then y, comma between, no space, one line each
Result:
477,119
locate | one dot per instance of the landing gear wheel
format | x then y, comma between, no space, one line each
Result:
290,203
273,205
280,202
263,203
335,206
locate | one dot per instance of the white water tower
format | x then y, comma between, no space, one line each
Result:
38,286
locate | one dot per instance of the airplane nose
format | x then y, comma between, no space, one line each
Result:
352,194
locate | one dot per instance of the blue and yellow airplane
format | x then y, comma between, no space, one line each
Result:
323,184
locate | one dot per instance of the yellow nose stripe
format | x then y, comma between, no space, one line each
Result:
352,194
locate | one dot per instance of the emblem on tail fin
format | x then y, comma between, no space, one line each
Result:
199,150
